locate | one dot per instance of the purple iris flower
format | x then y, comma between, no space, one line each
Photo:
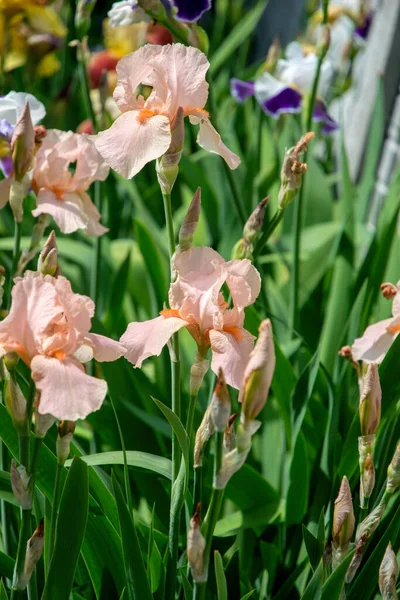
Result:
188,10
363,30
284,93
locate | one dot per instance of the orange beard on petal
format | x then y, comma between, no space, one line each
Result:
146,114
235,331
170,312
393,329
196,112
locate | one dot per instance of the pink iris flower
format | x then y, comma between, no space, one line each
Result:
198,304
142,133
66,165
48,327
377,338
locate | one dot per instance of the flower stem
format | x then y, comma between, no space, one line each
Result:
95,272
298,214
54,509
210,521
15,258
271,226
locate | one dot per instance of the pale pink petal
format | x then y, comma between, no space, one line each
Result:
129,144
90,165
148,338
68,211
244,282
375,342
105,349
209,139
66,391
94,227
230,352
5,185
199,267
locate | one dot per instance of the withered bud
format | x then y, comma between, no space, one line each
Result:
327,555
388,290
367,482
254,223
43,424
232,461
34,550
196,545
220,404
393,472
388,573
357,558
292,171
15,403
190,222
343,516
23,144
370,401
258,374
229,434
21,485
203,434
40,134
273,55
346,353
367,527
48,258
65,433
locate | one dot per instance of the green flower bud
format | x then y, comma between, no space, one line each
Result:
16,405
343,517
370,401
190,222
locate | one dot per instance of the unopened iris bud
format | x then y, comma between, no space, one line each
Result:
190,222
388,573
23,144
393,473
21,485
18,192
34,550
48,258
40,134
367,479
258,374
233,461
343,517
83,13
254,223
367,527
15,403
167,167
11,360
357,558
65,433
203,434
220,404
388,290
370,401
242,249
292,171
196,545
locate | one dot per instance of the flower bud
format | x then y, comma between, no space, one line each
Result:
343,517
83,13
65,433
258,374
196,545
229,435
393,473
367,527
388,572
388,290
197,374
370,401
167,166
23,144
34,550
40,134
11,360
18,192
357,558
292,171
203,434
48,258
20,483
220,404
190,222
43,424
16,405
367,482
254,223
235,459
242,249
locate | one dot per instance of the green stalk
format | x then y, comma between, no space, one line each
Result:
210,521
271,226
298,215
15,258
25,525
177,502
54,509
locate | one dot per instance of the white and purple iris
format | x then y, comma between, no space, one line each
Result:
284,92
11,106
127,12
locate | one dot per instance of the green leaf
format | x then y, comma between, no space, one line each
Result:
222,589
6,565
332,588
313,546
3,591
156,266
313,590
297,496
137,585
187,588
179,431
70,531
142,460
237,36
248,595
